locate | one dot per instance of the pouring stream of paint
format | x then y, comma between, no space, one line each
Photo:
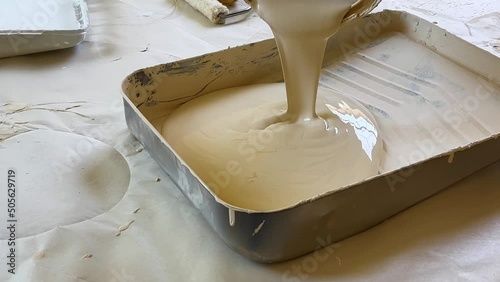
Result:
267,147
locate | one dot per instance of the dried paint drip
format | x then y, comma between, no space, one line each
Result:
87,256
232,217
451,157
123,228
258,228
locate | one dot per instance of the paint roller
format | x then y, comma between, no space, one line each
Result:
217,11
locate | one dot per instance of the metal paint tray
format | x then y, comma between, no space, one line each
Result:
28,26
435,97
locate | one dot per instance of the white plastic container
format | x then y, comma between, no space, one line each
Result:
31,26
